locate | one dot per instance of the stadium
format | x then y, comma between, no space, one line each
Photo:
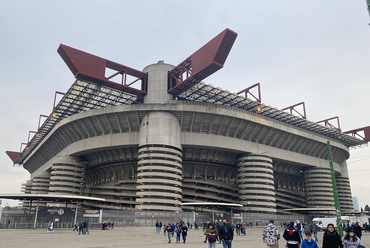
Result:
161,139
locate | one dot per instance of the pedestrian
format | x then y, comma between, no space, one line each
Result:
314,229
358,231
178,232
51,227
308,242
87,227
299,229
350,240
169,231
211,235
184,232
271,235
157,227
237,227
292,237
331,238
226,234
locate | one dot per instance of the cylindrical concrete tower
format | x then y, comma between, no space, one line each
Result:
41,183
344,189
27,189
67,176
159,173
158,83
319,188
256,183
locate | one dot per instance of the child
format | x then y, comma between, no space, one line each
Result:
308,242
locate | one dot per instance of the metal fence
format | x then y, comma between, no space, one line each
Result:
126,218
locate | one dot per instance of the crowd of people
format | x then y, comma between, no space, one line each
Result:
294,237
82,227
296,234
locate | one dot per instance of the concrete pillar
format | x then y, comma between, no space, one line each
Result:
256,183
27,189
158,83
318,188
40,185
159,173
344,189
67,176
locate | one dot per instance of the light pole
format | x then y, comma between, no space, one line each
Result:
335,192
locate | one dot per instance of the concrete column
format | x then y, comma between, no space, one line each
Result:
318,188
344,189
159,173
256,183
40,185
27,189
158,83
67,176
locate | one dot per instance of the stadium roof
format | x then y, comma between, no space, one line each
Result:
84,96
93,90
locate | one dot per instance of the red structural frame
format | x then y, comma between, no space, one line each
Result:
89,67
328,124
45,116
364,130
292,108
204,62
55,97
247,91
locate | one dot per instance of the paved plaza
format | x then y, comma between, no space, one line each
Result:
137,237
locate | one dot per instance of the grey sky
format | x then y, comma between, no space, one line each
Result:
312,51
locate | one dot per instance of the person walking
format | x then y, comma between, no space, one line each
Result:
358,230
178,230
314,229
331,238
271,235
169,231
184,232
292,237
211,235
308,242
350,240
226,234
237,227
157,228
299,228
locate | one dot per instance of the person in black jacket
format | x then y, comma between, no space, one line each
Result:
358,230
226,234
291,235
331,238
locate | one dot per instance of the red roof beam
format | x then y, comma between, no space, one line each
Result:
201,64
328,124
365,130
89,67
13,155
292,108
247,91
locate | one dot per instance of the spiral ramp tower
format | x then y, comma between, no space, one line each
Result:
344,194
319,188
67,176
256,183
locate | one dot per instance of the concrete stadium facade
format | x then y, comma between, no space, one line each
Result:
165,151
